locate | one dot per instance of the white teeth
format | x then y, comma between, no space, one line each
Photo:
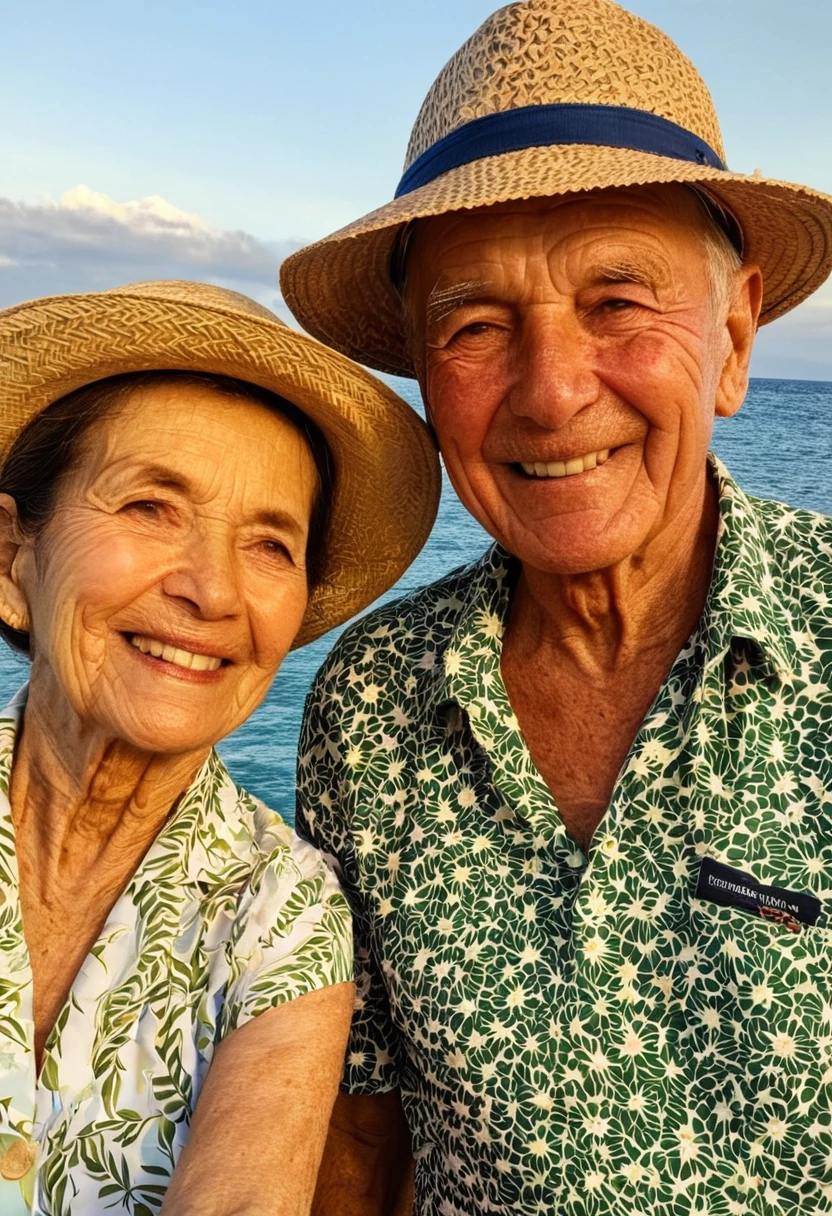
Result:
172,654
560,468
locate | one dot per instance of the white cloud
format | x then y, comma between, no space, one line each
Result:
153,214
88,241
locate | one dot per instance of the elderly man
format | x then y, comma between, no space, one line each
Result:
580,792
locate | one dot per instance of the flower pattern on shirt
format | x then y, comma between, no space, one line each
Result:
228,915
582,1034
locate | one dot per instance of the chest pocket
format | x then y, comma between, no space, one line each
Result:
760,1005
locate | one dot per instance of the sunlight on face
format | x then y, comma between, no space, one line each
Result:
572,357
171,580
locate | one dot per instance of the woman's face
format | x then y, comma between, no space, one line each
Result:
171,580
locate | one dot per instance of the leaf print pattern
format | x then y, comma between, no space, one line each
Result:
582,1034
228,915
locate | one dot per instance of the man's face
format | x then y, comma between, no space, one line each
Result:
573,354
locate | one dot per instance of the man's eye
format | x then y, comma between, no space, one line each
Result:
617,305
475,330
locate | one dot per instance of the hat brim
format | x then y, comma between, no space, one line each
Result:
340,288
387,479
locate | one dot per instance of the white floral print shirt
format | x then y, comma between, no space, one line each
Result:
587,1035
228,915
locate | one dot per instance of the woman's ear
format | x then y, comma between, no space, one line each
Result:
14,608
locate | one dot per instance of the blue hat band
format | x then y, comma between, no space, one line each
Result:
564,123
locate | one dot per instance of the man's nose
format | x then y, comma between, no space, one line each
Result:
207,575
554,378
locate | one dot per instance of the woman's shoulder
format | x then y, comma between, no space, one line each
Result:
274,839
281,923
240,829
271,909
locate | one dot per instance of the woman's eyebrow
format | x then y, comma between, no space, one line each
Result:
126,475
281,521
164,477
171,479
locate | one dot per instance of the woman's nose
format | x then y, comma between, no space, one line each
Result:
207,576
554,376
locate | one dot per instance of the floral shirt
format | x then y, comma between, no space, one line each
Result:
228,915
619,1032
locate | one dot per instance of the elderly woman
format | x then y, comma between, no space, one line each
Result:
189,489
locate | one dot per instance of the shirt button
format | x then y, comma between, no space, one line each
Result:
18,1159
609,844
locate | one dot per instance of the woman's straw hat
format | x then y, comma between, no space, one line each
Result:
386,466
550,97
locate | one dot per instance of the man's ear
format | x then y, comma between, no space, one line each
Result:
14,607
740,330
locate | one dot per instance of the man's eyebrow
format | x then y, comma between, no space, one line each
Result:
646,274
443,301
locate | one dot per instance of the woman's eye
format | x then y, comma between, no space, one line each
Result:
144,506
275,548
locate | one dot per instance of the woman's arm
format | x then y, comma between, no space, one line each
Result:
261,1121
367,1167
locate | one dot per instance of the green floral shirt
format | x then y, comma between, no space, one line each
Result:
584,1035
228,915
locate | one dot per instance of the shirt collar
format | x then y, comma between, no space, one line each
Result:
745,599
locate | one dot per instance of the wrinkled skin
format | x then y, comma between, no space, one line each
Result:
542,331
550,329
547,331
185,522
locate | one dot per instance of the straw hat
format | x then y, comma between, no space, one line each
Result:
550,97
386,467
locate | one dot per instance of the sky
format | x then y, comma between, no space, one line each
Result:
206,140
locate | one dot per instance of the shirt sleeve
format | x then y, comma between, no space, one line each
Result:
325,792
291,933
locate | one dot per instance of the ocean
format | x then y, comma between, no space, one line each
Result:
778,446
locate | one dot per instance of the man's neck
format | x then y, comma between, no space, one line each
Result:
644,607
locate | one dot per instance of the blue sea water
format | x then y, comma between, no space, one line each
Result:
778,446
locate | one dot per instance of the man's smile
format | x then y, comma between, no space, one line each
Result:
564,468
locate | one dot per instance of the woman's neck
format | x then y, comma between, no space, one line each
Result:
86,807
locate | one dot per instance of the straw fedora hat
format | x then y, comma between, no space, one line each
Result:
550,97
386,466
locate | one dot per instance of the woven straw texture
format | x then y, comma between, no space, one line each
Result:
536,53
386,467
